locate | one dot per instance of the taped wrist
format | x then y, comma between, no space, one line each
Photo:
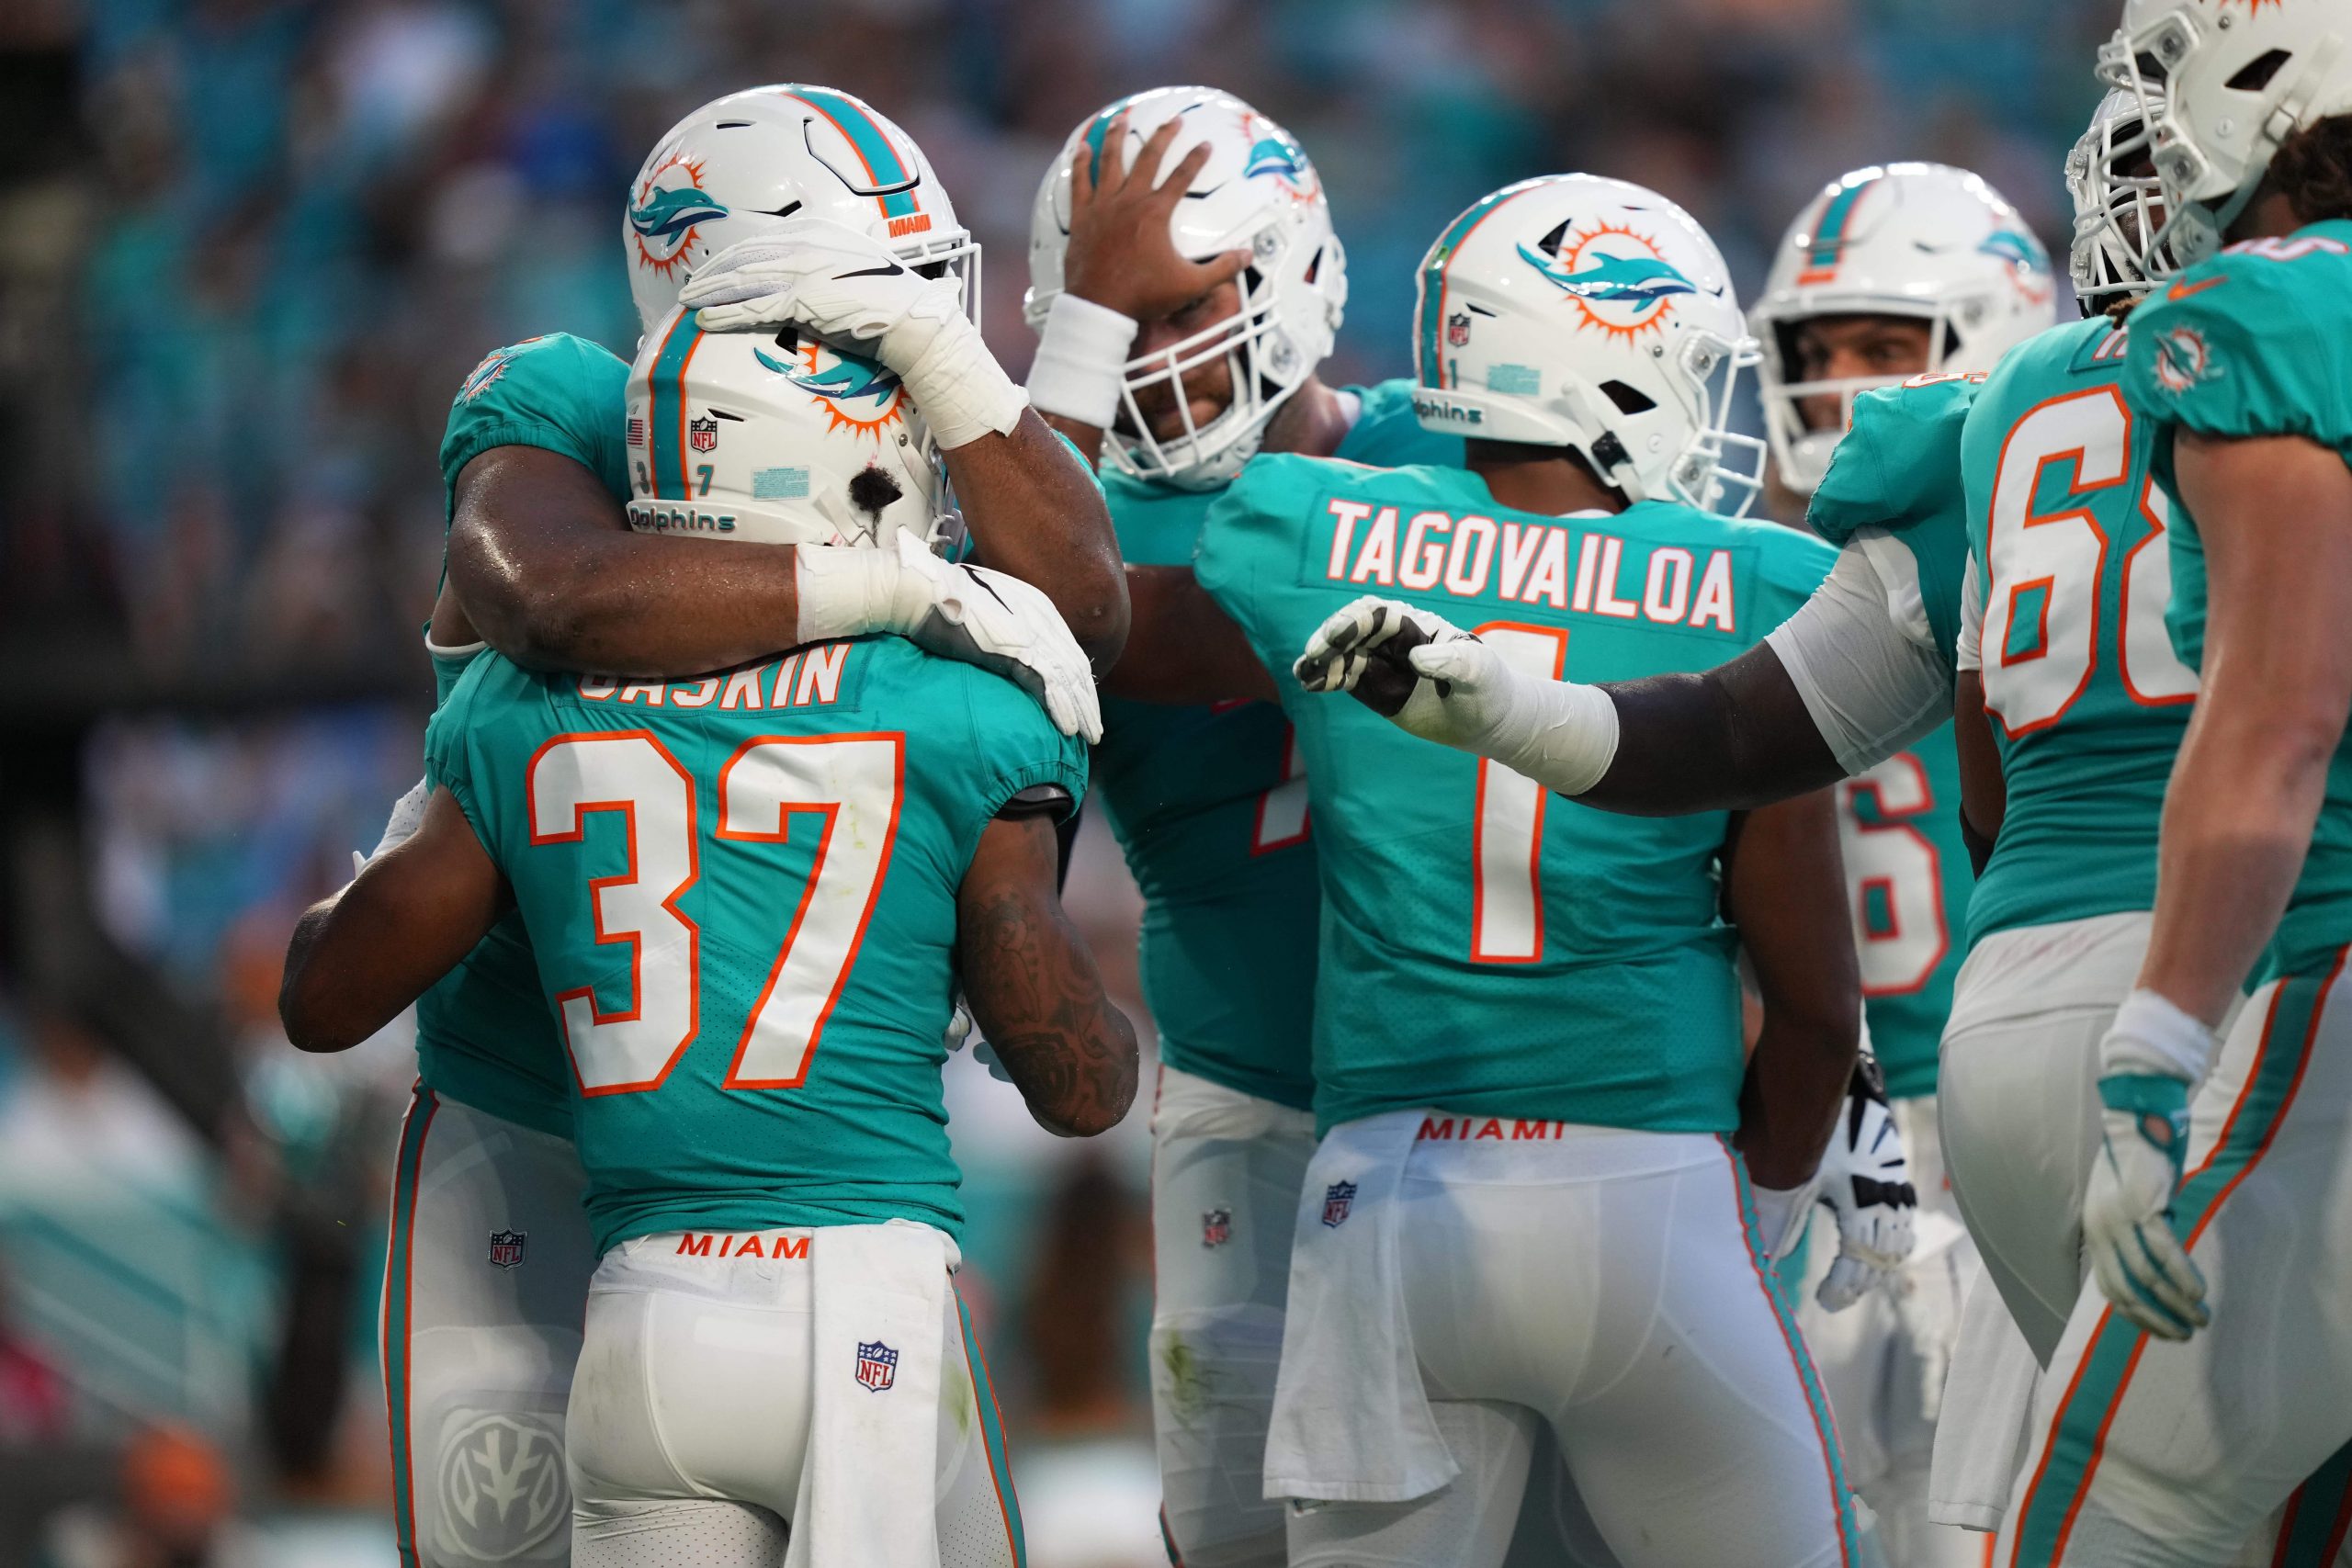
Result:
845,592
2150,1034
1560,733
963,392
1081,361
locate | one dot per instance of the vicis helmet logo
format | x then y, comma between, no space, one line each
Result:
856,394
1614,276
664,216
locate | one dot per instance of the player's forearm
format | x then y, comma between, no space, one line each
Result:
625,603
332,996
2237,822
1034,512
1796,1082
1181,646
1087,438
1732,739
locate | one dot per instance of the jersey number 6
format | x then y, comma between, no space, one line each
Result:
854,784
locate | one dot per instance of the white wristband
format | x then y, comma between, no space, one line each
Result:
2151,1035
1560,733
1081,361
845,592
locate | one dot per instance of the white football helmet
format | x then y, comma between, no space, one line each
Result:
2222,84
2116,202
1258,193
739,164
1579,311
775,439
1904,240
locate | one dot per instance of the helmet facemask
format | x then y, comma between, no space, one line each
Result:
2117,200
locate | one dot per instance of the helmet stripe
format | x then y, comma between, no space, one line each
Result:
1433,274
1100,131
1829,249
871,143
665,384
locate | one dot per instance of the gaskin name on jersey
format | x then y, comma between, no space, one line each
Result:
1525,563
810,677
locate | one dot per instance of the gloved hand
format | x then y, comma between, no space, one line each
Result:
966,613
2151,1055
1365,648
958,1033
408,816
848,289
1865,1181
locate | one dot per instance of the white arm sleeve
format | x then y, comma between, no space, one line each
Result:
1862,658
1972,619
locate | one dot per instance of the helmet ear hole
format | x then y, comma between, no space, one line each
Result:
1629,399
2255,73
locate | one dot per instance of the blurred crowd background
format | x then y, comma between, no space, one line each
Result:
248,248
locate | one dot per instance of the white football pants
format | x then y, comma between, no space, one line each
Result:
485,1280
1608,1284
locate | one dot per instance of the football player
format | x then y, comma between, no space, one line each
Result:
1187,284
1527,1027
490,1256
750,897
1890,273
2215,1214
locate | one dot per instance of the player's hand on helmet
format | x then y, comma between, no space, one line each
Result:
1121,254
2135,1253
844,287
1865,1181
999,623
408,816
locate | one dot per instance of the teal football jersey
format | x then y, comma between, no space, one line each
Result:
1485,948
2257,341
1908,870
484,1035
741,892
1210,807
2084,697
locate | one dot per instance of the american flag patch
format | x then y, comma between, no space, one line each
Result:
637,432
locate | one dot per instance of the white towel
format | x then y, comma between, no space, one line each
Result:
1988,1400
1352,1422
880,1306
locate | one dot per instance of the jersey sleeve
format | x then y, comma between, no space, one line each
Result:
448,754
2256,342
1899,463
560,393
1020,749
1247,539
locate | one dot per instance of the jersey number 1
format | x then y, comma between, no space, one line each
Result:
1506,840
853,784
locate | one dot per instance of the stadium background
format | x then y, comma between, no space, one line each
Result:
248,248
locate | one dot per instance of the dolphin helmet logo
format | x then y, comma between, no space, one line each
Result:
664,219
2025,258
1624,289
844,382
1274,154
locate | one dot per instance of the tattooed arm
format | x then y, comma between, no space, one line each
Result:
1032,987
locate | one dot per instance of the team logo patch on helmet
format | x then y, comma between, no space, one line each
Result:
1338,1198
1272,151
2183,360
503,1492
1615,277
506,1247
856,394
877,1366
664,217
701,434
1216,1227
2029,263
1457,328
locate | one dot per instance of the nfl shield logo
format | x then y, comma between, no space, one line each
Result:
1457,328
506,1247
701,434
877,1366
1338,1198
1216,1227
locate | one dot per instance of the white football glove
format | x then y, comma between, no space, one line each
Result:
958,1033
2149,1059
1464,693
1865,1181
966,613
408,816
850,290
